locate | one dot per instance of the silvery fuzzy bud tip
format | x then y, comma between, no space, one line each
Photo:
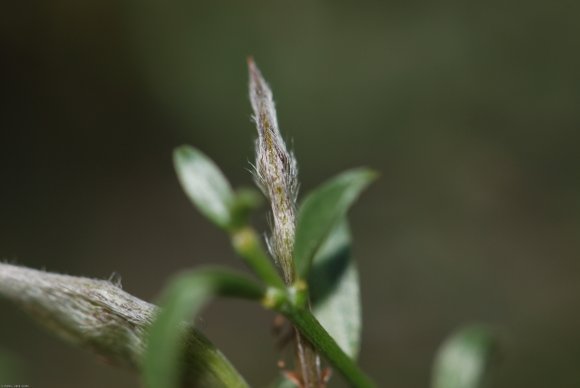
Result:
275,171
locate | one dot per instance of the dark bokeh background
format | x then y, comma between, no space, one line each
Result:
469,110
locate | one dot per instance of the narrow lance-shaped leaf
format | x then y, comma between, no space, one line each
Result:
322,210
204,184
334,289
464,359
184,297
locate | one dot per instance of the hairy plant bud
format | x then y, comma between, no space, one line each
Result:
275,173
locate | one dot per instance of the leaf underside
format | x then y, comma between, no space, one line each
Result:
204,184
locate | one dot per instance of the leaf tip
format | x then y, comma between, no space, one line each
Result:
204,184
465,358
181,152
371,175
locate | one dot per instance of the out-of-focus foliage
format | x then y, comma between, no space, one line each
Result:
205,365
205,185
465,359
322,210
335,289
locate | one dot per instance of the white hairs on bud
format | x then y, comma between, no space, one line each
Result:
276,172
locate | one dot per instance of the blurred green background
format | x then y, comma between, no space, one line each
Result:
469,110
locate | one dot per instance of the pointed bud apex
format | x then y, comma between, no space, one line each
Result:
275,172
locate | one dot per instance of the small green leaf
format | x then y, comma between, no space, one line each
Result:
322,209
204,184
463,360
334,289
204,365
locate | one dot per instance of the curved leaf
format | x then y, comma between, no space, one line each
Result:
334,290
322,209
204,184
164,362
463,360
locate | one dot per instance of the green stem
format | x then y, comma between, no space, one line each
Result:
310,328
247,244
